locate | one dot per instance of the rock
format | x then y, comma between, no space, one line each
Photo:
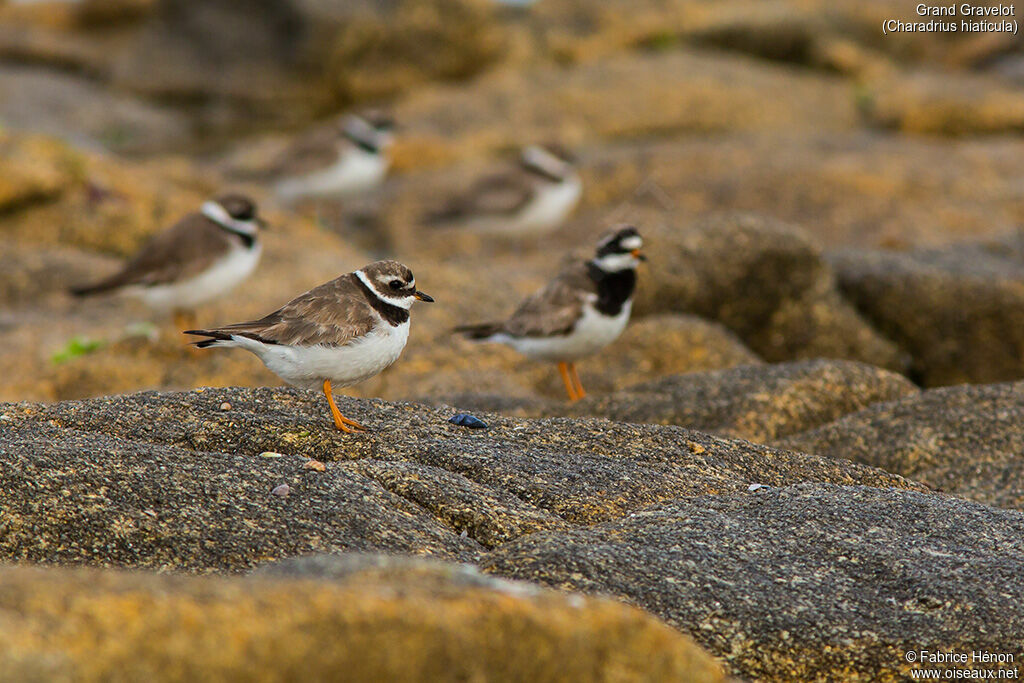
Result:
649,348
658,345
939,103
684,90
958,312
966,440
848,189
412,621
802,582
807,34
30,273
765,281
756,402
74,106
33,169
166,480
297,59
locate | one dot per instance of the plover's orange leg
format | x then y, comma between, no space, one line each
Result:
340,421
563,369
580,393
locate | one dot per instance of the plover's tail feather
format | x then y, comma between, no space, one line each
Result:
216,338
97,287
479,332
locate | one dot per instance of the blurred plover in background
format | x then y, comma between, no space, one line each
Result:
534,197
335,335
200,258
346,157
582,310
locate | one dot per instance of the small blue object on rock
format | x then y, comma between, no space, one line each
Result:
467,420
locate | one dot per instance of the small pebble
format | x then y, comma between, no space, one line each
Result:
467,420
281,490
315,465
270,454
758,487
225,406
695,447
464,534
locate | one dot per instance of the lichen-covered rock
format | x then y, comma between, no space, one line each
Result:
175,480
33,169
958,312
967,440
30,274
669,92
405,621
809,582
756,402
763,279
297,59
944,104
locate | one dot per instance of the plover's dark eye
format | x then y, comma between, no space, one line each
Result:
396,284
243,213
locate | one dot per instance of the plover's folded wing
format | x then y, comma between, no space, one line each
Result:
314,151
502,194
333,314
553,310
185,249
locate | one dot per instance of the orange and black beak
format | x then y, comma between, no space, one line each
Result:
638,255
423,296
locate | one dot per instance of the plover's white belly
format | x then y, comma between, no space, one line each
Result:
217,280
308,366
355,171
593,332
551,206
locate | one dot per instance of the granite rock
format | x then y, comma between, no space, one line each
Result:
957,311
807,582
966,440
175,481
756,402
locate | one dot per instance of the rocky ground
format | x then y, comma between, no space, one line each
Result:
803,457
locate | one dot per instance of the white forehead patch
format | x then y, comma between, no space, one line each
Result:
634,242
538,157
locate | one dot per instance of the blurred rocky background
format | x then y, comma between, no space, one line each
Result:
832,219
809,187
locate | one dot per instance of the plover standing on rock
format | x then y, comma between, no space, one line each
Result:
335,335
200,258
582,310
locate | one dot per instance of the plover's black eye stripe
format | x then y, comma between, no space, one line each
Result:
396,284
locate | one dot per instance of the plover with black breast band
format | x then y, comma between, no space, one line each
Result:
200,258
582,310
335,335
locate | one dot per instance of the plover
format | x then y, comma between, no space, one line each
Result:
198,259
335,335
581,311
344,158
533,198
